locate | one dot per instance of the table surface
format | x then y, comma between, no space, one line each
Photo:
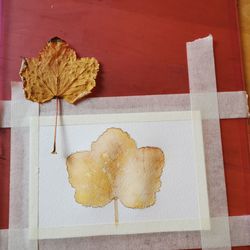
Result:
141,48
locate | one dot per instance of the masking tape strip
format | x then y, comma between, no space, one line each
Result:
180,102
177,102
19,174
218,236
19,188
34,179
17,91
18,239
239,228
200,167
21,109
4,239
203,97
231,105
5,114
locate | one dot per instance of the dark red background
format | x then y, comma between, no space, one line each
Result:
141,48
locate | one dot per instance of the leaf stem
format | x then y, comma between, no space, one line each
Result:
116,211
55,129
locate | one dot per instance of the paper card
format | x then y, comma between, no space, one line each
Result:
181,204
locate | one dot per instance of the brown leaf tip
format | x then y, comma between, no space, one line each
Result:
56,40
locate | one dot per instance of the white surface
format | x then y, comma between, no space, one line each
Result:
178,203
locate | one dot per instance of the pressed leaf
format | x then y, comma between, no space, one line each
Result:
116,169
57,72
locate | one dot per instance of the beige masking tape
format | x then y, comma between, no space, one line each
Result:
203,97
231,105
4,239
239,229
19,174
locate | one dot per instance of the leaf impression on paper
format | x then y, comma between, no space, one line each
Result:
114,169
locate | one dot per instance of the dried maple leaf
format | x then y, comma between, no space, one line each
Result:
116,169
57,72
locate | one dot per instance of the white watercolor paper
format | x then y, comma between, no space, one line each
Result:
178,205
